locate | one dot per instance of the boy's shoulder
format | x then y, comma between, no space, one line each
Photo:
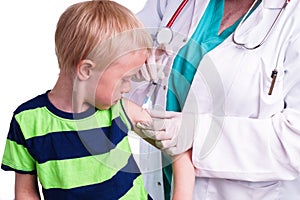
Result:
36,102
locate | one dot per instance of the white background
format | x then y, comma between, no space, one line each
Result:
27,59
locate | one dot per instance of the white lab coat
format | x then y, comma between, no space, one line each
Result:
247,143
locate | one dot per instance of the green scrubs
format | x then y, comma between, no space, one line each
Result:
204,39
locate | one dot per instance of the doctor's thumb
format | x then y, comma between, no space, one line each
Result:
161,114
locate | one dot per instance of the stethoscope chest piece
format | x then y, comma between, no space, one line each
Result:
164,35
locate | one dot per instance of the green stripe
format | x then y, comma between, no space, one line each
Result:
77,172
137,191
46,122
124,116
116,110
17,157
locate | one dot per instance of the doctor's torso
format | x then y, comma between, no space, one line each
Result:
238,81
245,74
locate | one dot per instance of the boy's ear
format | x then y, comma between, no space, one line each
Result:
84,69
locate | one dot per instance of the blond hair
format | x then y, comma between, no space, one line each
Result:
99,30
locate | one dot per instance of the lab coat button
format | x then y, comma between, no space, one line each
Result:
159,183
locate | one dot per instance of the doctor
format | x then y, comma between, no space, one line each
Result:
238,77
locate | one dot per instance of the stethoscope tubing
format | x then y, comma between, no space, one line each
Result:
176,13
244,45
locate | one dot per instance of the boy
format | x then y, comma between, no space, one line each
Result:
74,137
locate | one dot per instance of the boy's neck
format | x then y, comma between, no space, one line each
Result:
64,97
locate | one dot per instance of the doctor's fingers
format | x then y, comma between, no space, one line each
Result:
155,125
166,144
143,74
155,131
163,50
152,67
161,114
158,135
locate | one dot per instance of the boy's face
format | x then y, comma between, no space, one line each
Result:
115,80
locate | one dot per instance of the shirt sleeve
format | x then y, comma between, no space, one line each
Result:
254,149
16,156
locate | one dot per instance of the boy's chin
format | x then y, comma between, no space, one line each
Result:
103,107
115,101
106,107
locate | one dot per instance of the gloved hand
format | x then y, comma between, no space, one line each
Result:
153,69
173,131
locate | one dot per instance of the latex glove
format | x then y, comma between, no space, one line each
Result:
153,69
173,132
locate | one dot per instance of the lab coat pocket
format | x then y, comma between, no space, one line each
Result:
225,189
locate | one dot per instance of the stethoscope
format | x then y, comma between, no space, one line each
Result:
165,34
245,46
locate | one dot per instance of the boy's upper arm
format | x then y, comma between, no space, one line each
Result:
135,112
16,156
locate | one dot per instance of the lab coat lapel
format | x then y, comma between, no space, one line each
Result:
170,10
187,15
199,9
273,4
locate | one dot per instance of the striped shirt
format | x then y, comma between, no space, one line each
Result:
75,156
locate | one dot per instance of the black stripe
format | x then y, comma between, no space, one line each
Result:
37,102
15,134
7,168
73,144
